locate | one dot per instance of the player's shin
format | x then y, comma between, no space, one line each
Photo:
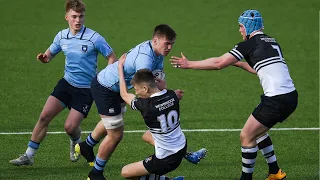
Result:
266,147
249,155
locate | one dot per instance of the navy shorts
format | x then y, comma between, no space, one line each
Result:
163,166
272,110
79,99
107,101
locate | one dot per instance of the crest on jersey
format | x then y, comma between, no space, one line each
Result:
84,48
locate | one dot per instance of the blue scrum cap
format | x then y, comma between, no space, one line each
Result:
251,20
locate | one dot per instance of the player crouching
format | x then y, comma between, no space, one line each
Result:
161,113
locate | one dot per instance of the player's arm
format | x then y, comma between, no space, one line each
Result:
245,66
104,48
112,58
127,97
45,57
213,63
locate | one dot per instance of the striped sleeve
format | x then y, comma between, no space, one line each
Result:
237,54
242,50
135,104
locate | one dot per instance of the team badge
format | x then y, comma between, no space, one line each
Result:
84,48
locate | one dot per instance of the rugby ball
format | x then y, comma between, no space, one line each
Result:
158,73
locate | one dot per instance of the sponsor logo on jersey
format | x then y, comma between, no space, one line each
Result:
64,47
111,110
85,108
148,159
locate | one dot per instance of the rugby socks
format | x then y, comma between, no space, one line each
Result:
90,141
249,155
32,148
153,176
75,140
99,165
266,148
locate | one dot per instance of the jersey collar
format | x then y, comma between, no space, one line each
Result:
78,35
256,33
159,93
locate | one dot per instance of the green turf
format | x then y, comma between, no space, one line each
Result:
213,99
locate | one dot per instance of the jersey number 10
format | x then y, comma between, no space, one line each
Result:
168,122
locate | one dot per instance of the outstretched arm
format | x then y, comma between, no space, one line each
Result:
245,66
214,63
127,97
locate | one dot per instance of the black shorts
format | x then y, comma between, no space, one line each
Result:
272,110
79,99
108,102
162,166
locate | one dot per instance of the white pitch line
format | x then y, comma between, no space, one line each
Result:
184,130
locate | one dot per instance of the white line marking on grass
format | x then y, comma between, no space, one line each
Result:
184,130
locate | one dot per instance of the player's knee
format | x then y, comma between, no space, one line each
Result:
125,172
246,138
116,137
69,127
45,118
146,137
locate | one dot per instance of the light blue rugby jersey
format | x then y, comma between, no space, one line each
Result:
140,57
81,52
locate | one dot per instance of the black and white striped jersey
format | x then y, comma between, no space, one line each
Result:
264,54
161,113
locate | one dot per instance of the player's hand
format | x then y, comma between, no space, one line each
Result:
122,59
161,84
179,62
179,93
43,58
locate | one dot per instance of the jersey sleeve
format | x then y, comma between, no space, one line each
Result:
55,47
138,104
102,46
241,50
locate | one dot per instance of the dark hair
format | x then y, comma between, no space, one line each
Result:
76,5
165,30
144,76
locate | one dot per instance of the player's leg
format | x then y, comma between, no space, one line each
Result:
152,168
193,157
276,109
52,107
265,146
80,106
114,127
72,128
249,133
137,170
55,103
147,137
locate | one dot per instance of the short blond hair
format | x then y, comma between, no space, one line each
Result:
76,5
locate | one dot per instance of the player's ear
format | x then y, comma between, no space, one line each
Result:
155,40
145,89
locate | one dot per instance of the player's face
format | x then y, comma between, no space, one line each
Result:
141,91
75,20
162,46
242,31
